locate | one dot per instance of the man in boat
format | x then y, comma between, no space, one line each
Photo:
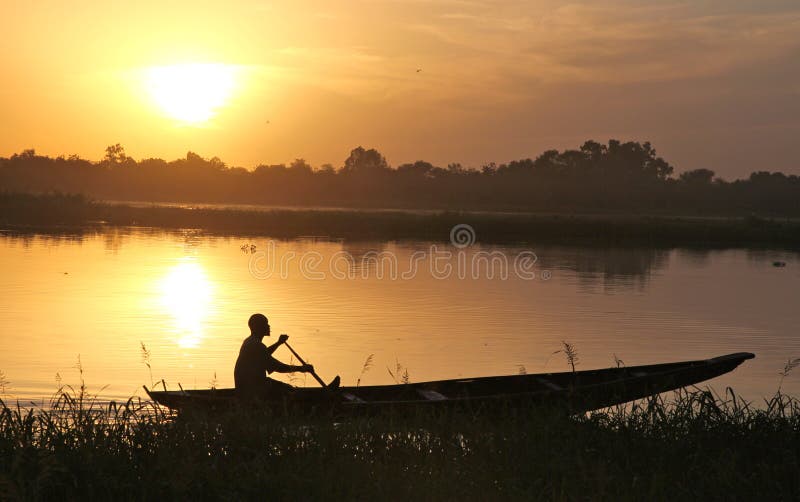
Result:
255,361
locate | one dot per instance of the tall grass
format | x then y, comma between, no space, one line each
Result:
689,444
400,374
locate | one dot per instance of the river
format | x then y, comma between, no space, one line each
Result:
86,306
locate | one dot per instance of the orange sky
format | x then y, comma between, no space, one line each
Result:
712,84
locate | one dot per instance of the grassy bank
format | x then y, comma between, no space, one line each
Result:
23,210
689,445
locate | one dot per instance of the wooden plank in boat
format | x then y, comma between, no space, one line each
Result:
431,395
550,385
352,398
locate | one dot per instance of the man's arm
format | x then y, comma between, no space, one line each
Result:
281,340
275,365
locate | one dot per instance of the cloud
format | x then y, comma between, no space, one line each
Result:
620,42
492,52
600,45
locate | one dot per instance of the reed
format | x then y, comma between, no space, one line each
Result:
687,444
365,367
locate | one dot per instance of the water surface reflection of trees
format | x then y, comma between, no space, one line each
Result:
610,268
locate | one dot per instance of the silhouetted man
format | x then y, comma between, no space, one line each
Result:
255,361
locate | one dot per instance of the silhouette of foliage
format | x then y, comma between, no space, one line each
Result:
617,177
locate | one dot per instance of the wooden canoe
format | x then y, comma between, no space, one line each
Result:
578,391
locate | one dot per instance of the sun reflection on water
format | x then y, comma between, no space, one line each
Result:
186,295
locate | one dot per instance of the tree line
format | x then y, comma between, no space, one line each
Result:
613,177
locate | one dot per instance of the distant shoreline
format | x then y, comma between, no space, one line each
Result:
60,213
265,208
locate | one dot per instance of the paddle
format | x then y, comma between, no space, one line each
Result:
313,373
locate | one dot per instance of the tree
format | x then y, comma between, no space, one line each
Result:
517,167
327,169
363,161
418,168
489,169
698,176
301,166
593,150
456,168
265,169
115,154
29,153
547,163
218,163
635,160
193,158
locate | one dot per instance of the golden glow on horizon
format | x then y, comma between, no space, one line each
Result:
255,82
186,296
191,93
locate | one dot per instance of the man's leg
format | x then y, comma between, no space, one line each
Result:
276,388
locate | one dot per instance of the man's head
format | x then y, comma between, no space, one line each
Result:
259,325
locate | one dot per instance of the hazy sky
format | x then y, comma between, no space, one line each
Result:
711,83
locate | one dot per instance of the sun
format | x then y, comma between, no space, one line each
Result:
191,93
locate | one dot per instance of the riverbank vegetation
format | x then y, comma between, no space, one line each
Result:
52,212
617,177
685,445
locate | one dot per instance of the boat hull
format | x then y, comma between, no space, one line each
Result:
577,391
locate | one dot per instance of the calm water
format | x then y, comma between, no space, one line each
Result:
187,297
